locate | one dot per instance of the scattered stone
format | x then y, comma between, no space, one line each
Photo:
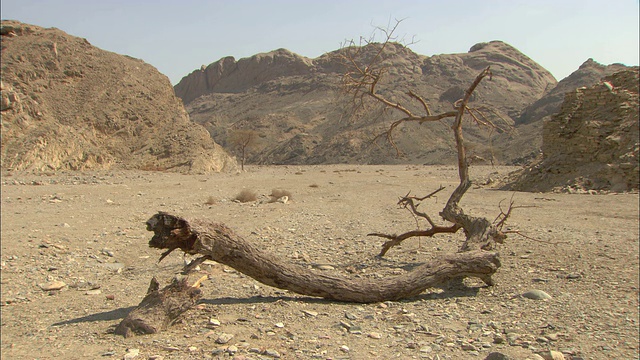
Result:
310,313
325,267
536,295
375,335
552,337
344,348
552,355
155,357
350,316
426,349
224,338
131,354
214,322
107,252
54,285
232,349
498,356
468,347
94,292
110,297
272,353
279,325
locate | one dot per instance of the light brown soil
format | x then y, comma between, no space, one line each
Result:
79,227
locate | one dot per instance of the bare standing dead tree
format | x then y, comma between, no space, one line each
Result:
361,80
243,140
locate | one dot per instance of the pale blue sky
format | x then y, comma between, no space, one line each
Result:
179,36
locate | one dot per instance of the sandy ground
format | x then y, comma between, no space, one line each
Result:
87,231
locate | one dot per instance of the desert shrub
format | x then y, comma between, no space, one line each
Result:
246,195
278,193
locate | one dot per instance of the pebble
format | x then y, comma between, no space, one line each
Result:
344,348
224,338
552,355
468,347
498,356
536,295
131,354
272,353
325,267
54,285
93,292
279,325
310,313
232,349
214,322
375,335
107,252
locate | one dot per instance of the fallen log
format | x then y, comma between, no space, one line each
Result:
219,243
160,307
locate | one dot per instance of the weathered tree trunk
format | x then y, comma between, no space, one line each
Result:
221,244
160,307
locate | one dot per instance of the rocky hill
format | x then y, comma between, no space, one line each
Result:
67,105
527,134
297,107
592,143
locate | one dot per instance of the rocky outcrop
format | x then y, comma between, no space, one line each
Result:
67,105
230,76
592,143
589,73
297,106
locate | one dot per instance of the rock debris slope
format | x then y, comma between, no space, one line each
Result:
69,105
592,143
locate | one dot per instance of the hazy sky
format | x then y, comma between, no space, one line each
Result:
179,36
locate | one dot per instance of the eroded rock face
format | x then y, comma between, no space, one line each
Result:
592,143
297,106
588,74
67,105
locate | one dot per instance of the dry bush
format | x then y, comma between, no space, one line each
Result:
278,193
246,195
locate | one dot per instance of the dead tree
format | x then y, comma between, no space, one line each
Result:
160,307
243,140
219,243
362,80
